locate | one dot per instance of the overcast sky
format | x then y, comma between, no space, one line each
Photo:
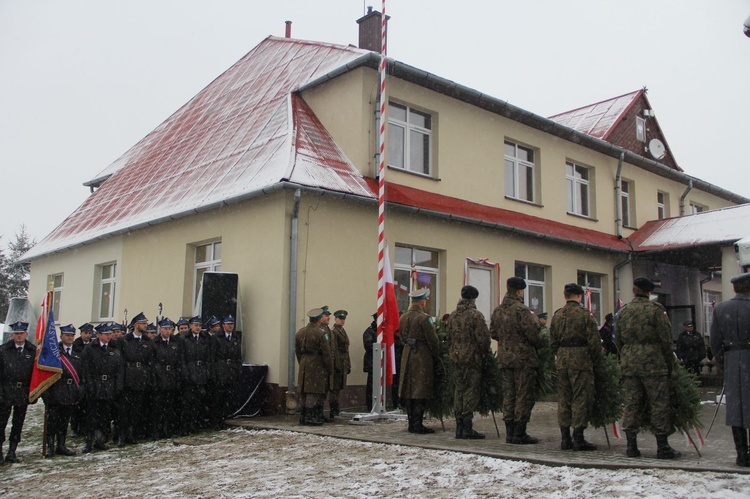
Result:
81,81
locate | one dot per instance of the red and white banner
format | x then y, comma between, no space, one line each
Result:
389,325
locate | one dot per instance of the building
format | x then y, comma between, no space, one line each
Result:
276,158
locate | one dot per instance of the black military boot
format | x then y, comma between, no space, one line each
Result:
740,443
469,432
510,429
632,450
335,410
409,414
566,443
663,450
311,417
50,450
459,428
11,455
61,449
303,416
580,443
419,408
520,437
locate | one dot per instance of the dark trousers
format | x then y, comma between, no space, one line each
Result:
19,416
165,416
100,414
131,412
221,400
78,420
194,408
368,391
58,417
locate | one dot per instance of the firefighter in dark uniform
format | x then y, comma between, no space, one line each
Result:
691,349
226,361
167,377
138,354
182,326
16,363
63,397
213,326
103,376
421,352
342,363
196,355
313,351
78,419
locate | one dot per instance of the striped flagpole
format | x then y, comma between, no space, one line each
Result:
381,178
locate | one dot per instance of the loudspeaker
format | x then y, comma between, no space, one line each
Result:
219,295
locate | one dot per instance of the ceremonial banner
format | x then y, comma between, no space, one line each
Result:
47,365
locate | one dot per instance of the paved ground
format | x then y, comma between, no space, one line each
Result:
716,455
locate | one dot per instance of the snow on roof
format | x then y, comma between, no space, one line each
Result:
598,119
726,225
244,132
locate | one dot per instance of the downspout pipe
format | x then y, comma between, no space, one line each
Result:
616,277
684,195
292,301
618,196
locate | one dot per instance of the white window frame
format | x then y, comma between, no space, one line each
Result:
697,208
574,185
103,282
626,202
584,280
210,264
662,204
407,128
514,165
522,271
403,288
710,300
57,292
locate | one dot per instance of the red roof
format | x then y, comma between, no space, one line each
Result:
599,119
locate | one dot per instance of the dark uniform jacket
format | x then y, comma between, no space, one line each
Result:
574,338
730,343
468,336
196,357
644,338
15,372
79,345
313,351
369,337
66,391
167,366
138,357
518,331
226,358
690,346
102,371
421,352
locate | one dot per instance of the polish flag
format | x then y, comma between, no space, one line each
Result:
388,318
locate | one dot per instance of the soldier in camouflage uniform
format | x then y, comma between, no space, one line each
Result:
517,330
342,364
313,350
421,352
576,345
468,343
644,340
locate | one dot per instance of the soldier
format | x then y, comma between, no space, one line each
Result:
730,340
63,397
16,363
468,343
369,337
138,354
342,363
644,340
78,418
605,334
167,376
518,332
691,349
313,351
421,352
574,340
226,358
102,374
195,377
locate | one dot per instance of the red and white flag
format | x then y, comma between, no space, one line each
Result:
389,323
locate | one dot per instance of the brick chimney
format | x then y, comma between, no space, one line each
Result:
369,30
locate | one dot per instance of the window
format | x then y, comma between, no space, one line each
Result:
409,139
697,208
107,288
534,298
592,299
207,259
577,180
57,281
625,200
662,205
519,172
710,299
483,275
415,268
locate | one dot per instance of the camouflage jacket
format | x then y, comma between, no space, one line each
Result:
574,338
644,338
468,336
518,332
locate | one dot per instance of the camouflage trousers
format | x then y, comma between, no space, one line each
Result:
467,381
639,391
519,394
575,394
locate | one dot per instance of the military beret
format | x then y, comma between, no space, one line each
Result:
741,279
150,327
19,327
516,283
543,315
688,324
420,294
69,329
195,320
86,327
644,284
341,314
212,321
315,313
138,318
228,319
469,292
166,322
573,289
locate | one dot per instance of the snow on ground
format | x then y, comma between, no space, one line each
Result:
242,463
